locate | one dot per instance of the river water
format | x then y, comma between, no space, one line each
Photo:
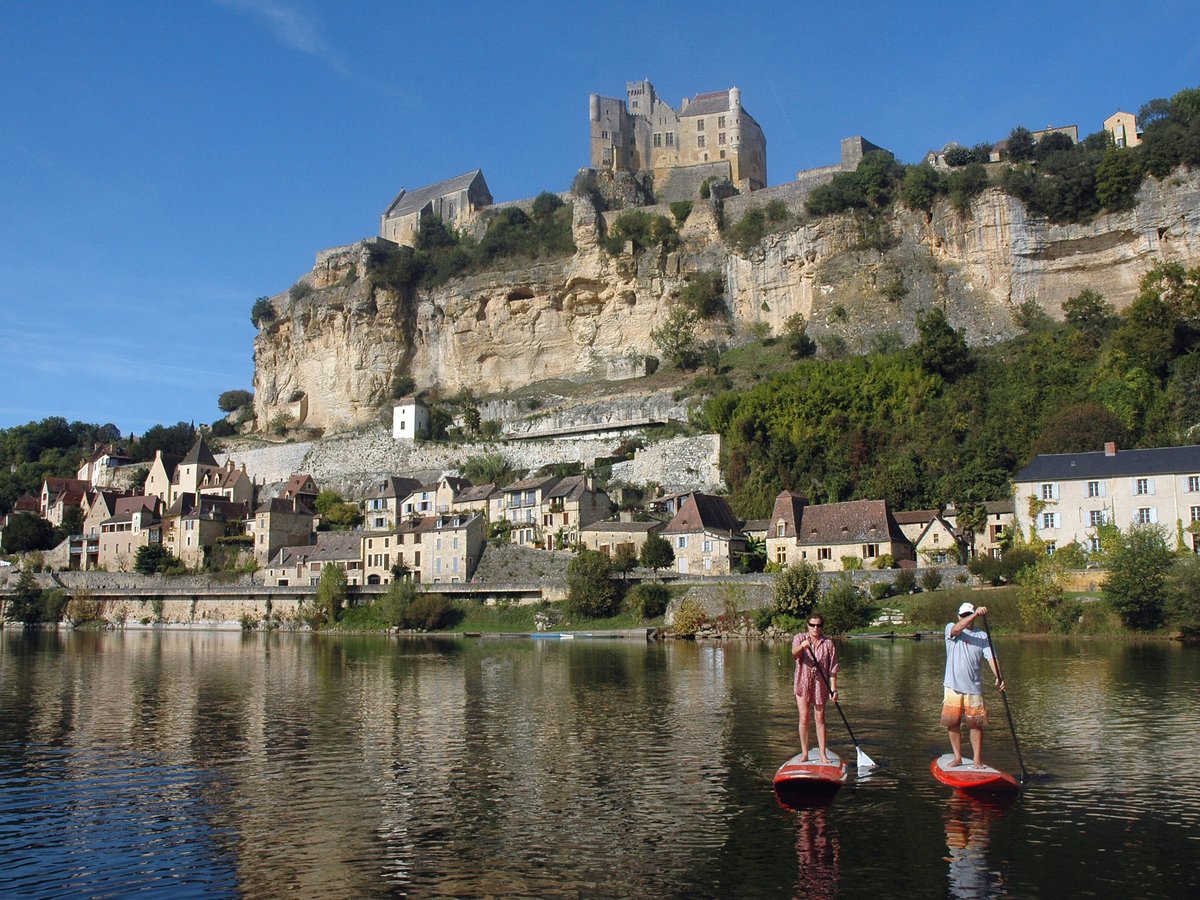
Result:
268,765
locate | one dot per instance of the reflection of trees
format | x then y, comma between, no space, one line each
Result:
817,852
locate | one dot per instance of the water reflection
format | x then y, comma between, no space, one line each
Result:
968,829
817,852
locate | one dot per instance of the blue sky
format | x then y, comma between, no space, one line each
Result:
164,164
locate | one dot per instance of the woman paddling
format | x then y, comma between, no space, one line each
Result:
809,650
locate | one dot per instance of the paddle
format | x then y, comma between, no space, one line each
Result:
864,761
1004,697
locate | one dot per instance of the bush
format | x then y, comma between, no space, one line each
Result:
234,400
591,592
931,579
681,209
331,593
797,590
1137,576
843,607
643,230
392,608
649,601
428,612
904,581
704,294
688,619
262,312
151,558
880,590
995,572
82,609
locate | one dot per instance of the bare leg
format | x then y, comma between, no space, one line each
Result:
802,705
955,745
820,710
977,746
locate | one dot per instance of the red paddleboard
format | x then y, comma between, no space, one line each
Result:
971,781
801,780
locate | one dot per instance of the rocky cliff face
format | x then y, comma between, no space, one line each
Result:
330,356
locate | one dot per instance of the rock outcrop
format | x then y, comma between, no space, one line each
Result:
330,357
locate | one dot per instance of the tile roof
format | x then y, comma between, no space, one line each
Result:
285,505
394,487
475,493
703,512
299,484
330,546
707,104
915,516
620,527
844,523
199,454
789,507
408,202
1123,463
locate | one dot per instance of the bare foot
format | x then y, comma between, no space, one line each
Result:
955,763
978,765
825,761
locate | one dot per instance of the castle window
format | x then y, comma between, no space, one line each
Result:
670,139
700,140
699,124
657,140
604,135
721,138
720,121
634,104
722,154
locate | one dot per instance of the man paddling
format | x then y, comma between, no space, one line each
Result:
809,649
963,698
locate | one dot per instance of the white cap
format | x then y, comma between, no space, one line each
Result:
965,609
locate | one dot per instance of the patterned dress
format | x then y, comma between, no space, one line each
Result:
806,682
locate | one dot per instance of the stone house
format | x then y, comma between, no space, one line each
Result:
642,133
53,486
135,524
410,419
913,522
609,537
438,497
194,522
1062,498
301,487
991,540
170,476
831,534
83,550
706,536
302,565
938,544
548,510
281,522
228,482
1124,129
96,467
63,501
162,470
455,201
381,507
473,498
435,548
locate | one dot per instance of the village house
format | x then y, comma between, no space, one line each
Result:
228,482
706,536
991,540
426,549
938,544
433,498
194,522
1063,498
301,487
83,549
455,201
548,510
97,467
834,536
381,508
281,522
473,498
52,487
609,537
1124,129
410,419
302,565
135,524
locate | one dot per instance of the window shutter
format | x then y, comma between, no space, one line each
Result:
1104,489
1150,481
1154,514
1054,490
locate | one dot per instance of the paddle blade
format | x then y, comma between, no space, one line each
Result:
864,761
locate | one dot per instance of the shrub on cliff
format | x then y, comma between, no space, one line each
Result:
642,230
262,311
234,400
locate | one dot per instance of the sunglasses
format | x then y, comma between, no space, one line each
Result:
816,625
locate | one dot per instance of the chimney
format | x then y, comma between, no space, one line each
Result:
1110,448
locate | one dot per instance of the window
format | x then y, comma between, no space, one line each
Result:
1050,520
1096,517
604,135
780,529
1095,489
1196,513
1050,548
1146,515
825,553
721,138
707,565
1094,545
1193,484
1049,491
781,555
657,140
1141,487
681,542
670,139
721,122
708,546
700,140
870,551
699,124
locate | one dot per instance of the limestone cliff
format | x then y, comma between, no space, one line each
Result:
330,356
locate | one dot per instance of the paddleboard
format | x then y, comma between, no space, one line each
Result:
969,780
808,779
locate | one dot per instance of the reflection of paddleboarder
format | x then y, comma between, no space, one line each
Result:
817,854
809,650
967,831
963,698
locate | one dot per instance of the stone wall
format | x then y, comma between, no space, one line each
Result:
677,465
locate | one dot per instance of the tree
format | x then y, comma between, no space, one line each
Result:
676,338
1081,428
656,553
262,312
331,593
1090,315
26,532
1182,602
545,204
971,519
1021,144
1118,177
843,607
1137,575
941,349
796,337
25,604
229,401
797,589
591,592
624,560
921,187
151,558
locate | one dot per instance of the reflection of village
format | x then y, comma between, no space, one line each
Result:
449,756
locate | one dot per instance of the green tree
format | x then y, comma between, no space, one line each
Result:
649,601
262,312
591,592
25,605
393,606
624,560
796,337
1090,315
1021,144
1137,574
151,558
921,186
1118,177
1182,601
1081,428
25,532
545,204
656,554
971,519
229,401
941,350
676,338
843,607
331,593
797,589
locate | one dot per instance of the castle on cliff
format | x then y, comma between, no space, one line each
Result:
710,135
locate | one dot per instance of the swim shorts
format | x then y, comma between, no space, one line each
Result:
965,707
